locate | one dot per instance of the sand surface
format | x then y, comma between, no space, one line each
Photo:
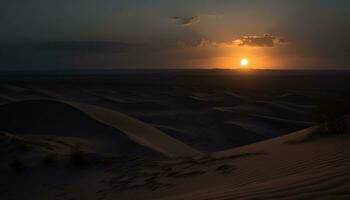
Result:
194,136
295,166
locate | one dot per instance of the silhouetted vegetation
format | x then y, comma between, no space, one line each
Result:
225,168
333,116
18,164
49,160
77,157
23,146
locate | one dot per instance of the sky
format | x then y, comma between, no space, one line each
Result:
128,34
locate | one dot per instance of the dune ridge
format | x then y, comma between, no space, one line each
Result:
138,131
118,129
290,168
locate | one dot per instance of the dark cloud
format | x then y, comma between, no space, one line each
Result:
186,21
67,53
259,41
86,46
244,41
69,47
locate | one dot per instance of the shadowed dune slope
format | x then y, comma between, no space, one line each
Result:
267,109
56,119
112,131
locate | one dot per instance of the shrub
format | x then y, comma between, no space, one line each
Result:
77,157
23,146
225,168
49,159
18,165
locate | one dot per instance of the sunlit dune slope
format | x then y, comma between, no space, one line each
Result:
138,131
295,166
112,132
46,118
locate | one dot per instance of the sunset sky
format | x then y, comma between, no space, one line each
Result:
99,34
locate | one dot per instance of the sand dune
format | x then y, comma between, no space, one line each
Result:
295,166
299,165
124,127
113,131
129,103
214,99
266,109
57,120
189,109
268,126
13,145
264,118
297,99
289,167
138,131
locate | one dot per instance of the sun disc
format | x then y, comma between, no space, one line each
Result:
244,62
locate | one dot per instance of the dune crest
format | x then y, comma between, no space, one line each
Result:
120,132
289,167
138,131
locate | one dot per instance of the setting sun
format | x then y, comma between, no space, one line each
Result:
244,62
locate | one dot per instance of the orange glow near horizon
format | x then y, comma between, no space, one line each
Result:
247,58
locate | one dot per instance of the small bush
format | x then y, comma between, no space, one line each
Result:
77,157
49,160
18,165
174,173
23,146
225,168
